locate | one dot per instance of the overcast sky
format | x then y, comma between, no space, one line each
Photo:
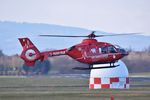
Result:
104,15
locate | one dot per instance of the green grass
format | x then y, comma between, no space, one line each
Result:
62,88
146,74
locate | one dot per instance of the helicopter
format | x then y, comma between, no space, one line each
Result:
89,51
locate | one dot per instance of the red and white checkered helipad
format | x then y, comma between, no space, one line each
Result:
109,82
116,77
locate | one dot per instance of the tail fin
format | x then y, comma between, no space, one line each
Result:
30,53
25,42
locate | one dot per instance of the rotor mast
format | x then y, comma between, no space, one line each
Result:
92,35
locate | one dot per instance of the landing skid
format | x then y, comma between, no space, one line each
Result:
81,68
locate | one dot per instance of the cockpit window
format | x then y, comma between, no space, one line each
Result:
108,49
117,46
93,50
112,49
104,50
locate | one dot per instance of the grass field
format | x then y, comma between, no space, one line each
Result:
67,88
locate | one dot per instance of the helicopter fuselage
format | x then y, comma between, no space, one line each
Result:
89,51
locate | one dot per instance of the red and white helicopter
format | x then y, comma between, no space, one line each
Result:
89,51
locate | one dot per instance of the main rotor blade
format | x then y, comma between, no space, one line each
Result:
117,34
92,32
61,36
92,35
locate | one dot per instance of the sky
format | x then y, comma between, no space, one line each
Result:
117,16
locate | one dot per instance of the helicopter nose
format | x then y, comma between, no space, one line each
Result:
123,52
